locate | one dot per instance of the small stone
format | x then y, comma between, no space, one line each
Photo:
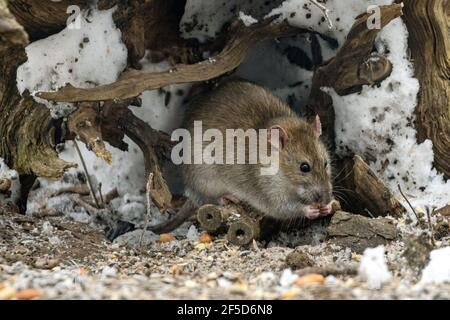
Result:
299,259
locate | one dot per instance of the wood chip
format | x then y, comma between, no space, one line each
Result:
312,278
206,238
28,294
166,237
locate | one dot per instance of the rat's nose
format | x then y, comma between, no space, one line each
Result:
322,197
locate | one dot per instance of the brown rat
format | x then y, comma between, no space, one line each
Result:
301,187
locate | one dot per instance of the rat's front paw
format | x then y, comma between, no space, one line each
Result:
326,210
312,212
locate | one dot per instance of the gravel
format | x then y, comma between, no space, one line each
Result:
56,258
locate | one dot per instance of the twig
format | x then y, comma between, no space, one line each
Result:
325,12
149,206
110,196
430,226
409,203
102,201
133,82
88,177
79,189
369,213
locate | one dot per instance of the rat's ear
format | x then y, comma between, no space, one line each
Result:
317,126
282,134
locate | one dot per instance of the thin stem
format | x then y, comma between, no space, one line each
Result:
88,177
409,203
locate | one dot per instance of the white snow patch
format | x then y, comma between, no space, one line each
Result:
90,56
438,269
247,19
287,278
304,14
373,268
204,20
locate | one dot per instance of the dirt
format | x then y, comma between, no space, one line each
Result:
64,259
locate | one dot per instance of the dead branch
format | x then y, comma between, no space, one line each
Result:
428,26
85,124
134,82
445,211
364,190
351,68
117,121
329,270
110,196
26,127
43,18
78,189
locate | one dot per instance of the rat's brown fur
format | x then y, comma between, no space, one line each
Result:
239,104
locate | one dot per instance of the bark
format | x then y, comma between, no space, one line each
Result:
43,18
364,192
428,24
27,131
134,82
350,69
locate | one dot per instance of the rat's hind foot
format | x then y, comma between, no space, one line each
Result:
228,199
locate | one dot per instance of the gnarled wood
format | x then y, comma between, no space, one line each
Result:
351,68
428,24
27,130
134,82
43,18
85,124
117,121
364,192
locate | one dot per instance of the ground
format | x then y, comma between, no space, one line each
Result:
56,258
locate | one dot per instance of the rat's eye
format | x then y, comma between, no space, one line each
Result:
326,163
305,167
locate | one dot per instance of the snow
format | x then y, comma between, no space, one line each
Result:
373,268
89,56
287,278
13,176
438,269
309,16
246,19
204,20
127,170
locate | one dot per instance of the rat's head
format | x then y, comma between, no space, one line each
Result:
304,160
